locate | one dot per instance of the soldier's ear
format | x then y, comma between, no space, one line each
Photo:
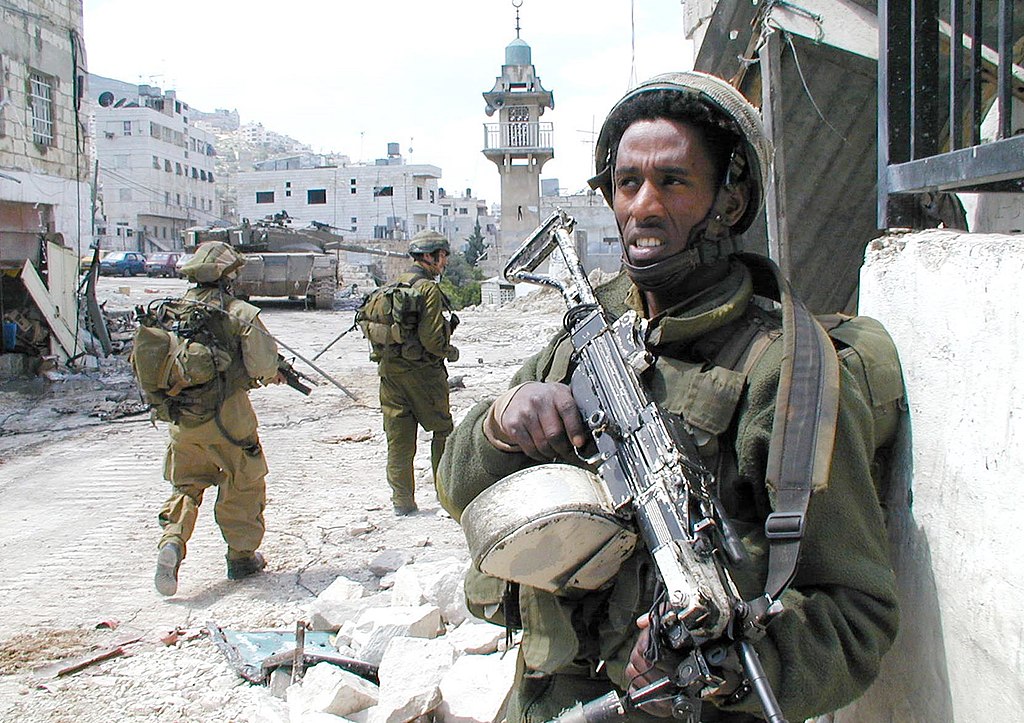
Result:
731,203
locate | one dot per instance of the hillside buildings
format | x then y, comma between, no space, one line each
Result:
459,218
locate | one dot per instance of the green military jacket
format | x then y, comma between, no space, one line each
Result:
433,331
841,612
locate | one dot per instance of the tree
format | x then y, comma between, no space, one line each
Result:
475,246
461,282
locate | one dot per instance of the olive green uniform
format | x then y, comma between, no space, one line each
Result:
202,456
840,613
414,388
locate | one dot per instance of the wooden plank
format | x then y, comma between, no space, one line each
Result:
57,322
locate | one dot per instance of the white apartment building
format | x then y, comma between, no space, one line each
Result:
459,217
44,162
384,200
156,169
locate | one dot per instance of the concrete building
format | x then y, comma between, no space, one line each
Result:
388,199
155,174
44,162
596,235
459,217
519,144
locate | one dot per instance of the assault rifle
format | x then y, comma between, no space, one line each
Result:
653,474
292,376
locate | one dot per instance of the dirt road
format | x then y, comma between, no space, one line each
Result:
78,527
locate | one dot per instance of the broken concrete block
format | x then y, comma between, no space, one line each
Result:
331,614
476,689
437,582
376,627
389,561
410,674
326,688
342,589
476,638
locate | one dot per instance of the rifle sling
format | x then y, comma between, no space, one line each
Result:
803,433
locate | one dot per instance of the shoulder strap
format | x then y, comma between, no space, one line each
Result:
803,434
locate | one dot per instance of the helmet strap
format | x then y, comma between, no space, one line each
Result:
710,241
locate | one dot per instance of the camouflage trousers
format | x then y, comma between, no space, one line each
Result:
409,400
240,479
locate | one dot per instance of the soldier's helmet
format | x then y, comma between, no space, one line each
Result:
213,261
751,161
427,242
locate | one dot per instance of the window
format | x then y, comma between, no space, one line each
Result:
419,193
178,197
316,196
209,176
431,195
518,126
463,211
156,163
195,173
167,198
444,211
41,101
264,196
126,128
177,168
202,175
167,165
383,191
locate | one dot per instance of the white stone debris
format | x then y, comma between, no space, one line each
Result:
476,689
410,676
376,627
437,582
326,688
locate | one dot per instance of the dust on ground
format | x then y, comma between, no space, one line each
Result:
82,484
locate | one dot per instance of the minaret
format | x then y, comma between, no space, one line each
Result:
518,144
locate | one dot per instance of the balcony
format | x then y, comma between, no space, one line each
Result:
519,139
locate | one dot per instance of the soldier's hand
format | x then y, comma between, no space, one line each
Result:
642,672
541,419
453,322
453,354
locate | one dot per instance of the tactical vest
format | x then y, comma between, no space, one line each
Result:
389,319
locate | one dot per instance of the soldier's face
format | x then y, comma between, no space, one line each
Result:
664,185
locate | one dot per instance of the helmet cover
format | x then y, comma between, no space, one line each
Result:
213,261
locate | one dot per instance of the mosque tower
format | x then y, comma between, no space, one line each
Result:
519,144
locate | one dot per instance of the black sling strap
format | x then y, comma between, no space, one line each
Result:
803,434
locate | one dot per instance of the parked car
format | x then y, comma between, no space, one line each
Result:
163,263
182,260
123,263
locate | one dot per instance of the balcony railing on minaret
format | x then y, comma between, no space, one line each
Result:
518,137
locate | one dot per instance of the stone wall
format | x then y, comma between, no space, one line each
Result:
952,302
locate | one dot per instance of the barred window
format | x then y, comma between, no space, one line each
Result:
41,100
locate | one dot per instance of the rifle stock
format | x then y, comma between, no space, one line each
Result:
655,476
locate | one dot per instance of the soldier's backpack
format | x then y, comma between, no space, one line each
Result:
390,316
180,359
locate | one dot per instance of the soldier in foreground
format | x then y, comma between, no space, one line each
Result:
683,161
213,435
411,340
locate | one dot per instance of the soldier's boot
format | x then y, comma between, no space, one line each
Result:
406,509
168,559
237,569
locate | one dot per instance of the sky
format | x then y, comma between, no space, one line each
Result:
350,77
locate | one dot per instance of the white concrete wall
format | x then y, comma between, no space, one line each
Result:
953,305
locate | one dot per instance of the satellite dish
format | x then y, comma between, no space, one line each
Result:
106,98
119,103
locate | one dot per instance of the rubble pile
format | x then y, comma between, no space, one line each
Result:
432,657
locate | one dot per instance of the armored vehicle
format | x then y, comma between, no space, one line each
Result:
280,260
284,261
